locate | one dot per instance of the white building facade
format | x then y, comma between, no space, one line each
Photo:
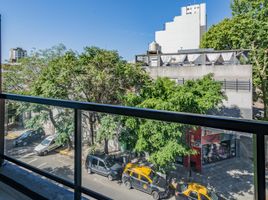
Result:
17,53
185,31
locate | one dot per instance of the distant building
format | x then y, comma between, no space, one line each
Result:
185,31
16,53
211,145
175,54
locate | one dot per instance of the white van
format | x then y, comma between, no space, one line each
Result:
47,145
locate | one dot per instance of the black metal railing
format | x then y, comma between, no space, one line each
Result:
236,85
258,128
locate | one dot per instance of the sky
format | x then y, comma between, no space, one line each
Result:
127,26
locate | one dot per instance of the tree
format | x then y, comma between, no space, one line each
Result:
107,130
166,141
254,8
95,75
247,29
20,79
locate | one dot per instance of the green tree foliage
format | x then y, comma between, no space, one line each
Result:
256,8
247,29
166,141
95,75
21,78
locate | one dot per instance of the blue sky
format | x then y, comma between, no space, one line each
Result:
124,25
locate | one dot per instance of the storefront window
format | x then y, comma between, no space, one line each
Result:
217,151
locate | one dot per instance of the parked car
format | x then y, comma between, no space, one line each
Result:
47,145
28,137
104,165
145,179
194,191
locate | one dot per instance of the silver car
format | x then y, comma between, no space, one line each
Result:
47,145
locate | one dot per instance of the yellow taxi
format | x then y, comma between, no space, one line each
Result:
194,191
143,178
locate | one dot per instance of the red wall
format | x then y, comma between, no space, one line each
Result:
195,137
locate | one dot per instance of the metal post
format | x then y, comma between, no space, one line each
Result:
158,60
78,154
2,105
259,166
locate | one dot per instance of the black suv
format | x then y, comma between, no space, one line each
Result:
104,165
28,137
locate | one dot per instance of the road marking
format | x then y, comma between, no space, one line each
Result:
43,164
27,155
52,171
32,161
64,162
21,151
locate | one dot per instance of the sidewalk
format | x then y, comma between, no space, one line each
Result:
14,134
66,152
233,178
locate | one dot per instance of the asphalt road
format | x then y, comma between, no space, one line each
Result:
63,166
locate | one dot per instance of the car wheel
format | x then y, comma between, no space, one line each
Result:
128,185
110,178
89,171
45,153
155,195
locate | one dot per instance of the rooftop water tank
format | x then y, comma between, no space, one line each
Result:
154,47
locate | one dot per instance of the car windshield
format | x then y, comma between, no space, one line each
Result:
46,142
213,196
109,162
24,135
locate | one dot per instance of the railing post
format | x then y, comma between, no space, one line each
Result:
2,105
259,166
2,130
78,154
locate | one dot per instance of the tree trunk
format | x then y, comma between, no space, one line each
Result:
264,98
106,150
51,117
92,121
69,143
91,133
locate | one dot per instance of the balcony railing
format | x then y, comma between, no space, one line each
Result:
235,85
258,128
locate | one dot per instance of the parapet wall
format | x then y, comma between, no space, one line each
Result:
239,103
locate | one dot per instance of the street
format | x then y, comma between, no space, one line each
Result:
232,178
63,166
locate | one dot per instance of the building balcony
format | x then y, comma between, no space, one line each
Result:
230,158
6,192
